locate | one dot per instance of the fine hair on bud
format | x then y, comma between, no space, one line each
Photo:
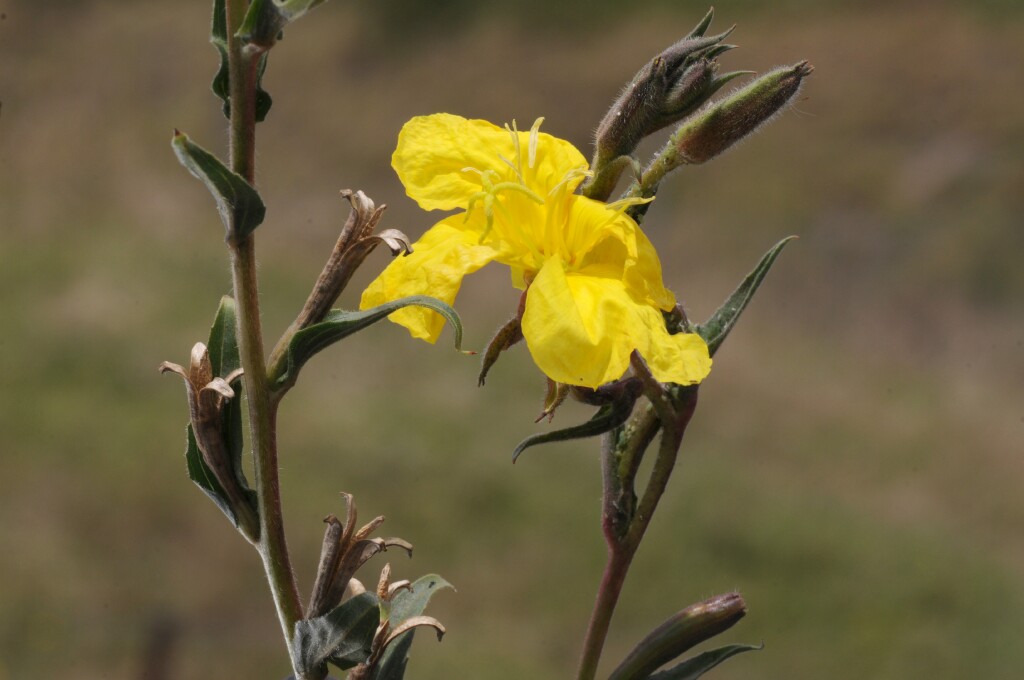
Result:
720,125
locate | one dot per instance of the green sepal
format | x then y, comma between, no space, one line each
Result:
339,324
342,636
717,328
221,81
404,605
240,206
700,29
224,358
607,418
693,668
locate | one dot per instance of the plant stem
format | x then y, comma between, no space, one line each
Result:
262,414
624,535
615,570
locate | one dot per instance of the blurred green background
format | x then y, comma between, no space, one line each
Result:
854,468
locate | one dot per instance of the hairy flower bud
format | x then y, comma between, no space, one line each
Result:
712,131
668,88
649,97
681,632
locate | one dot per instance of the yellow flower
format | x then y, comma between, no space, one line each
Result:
594,291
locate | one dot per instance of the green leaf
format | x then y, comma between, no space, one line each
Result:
262,24
265,19
607,418
224,358
691,669
204,478
343,636
293,9
405,605
717,328
240,206
223,342
221,81
339,324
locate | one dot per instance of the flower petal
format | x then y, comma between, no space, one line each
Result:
440,259
581,330
612,241
434,151
682,358
574,326
643,277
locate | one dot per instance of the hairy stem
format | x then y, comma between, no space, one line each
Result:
615,570
262,414
624,533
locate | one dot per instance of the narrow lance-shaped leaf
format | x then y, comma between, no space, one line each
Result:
717,328
691,669
405,605
342,636
225,357
240,206
607,418
339,324
221,81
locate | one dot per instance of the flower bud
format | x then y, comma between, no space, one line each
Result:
694,87
681,632
635,113
715,129
664,91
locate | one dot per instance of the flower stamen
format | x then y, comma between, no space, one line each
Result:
534,137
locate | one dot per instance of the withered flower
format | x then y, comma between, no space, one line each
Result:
345,549
207,395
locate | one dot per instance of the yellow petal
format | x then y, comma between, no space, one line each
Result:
613,240
681,358
582,329
577,327
434,152
643,277
446,253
